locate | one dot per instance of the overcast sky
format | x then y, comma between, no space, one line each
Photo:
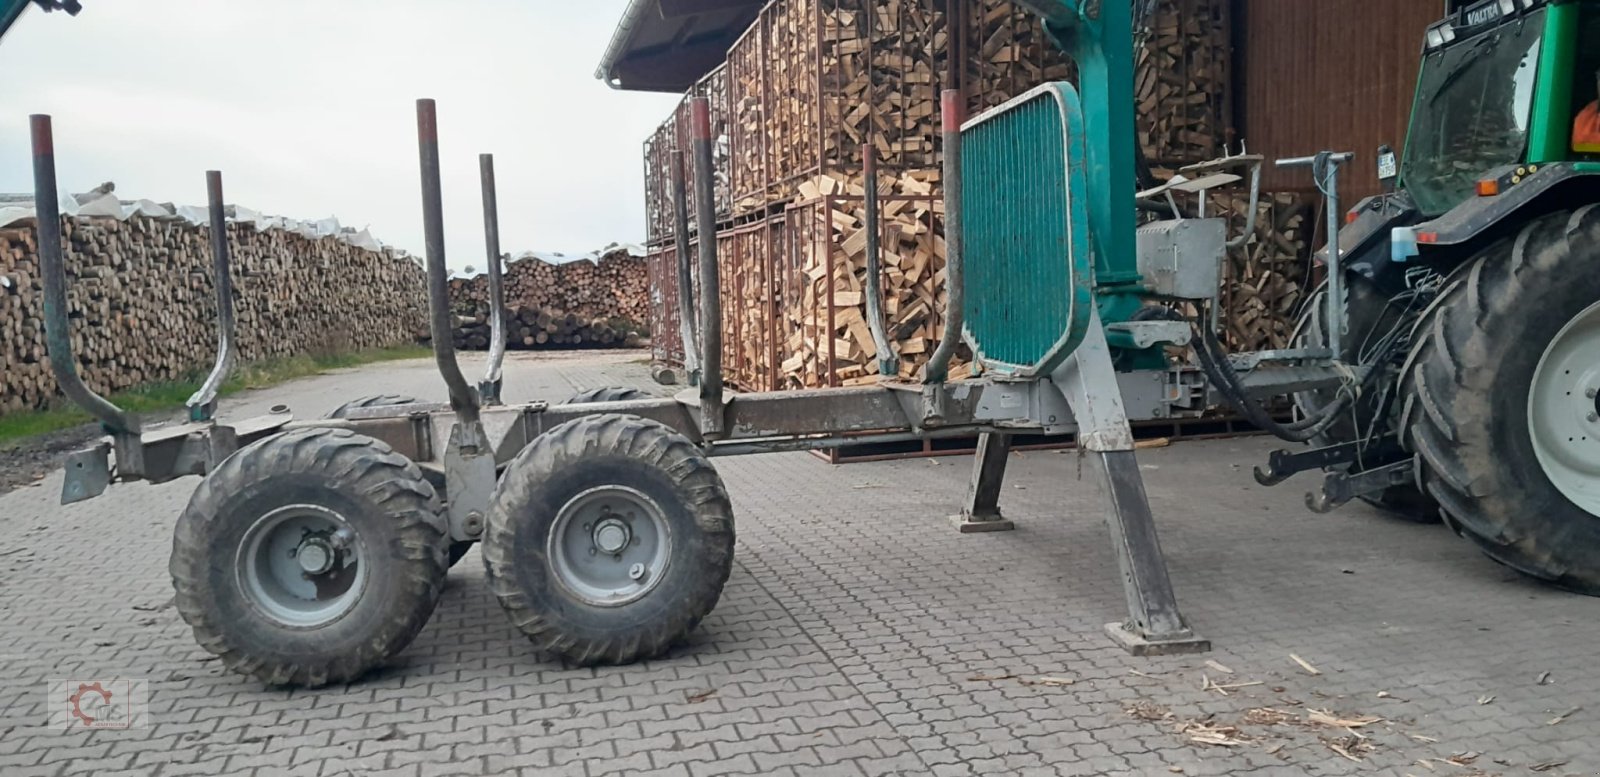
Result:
308,108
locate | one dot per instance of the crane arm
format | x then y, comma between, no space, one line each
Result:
11,10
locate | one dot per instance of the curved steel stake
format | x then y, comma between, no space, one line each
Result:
887,360
58,334
469,465
203,405
489,388
951,112
463,398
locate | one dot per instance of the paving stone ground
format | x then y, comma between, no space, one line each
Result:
859,635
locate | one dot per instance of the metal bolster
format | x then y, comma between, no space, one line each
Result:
203,405
493,379
469,458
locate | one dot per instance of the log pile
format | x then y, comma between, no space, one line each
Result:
142,306
528,328
602,301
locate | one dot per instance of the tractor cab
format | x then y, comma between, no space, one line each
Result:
1497,128
1501,85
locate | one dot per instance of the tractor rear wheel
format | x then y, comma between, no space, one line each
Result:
610,537
1501,400
310,557
1369,317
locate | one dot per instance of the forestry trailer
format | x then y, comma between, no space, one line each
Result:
1450,366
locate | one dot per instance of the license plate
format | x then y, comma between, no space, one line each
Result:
1387,167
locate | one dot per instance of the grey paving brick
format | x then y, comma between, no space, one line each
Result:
847,638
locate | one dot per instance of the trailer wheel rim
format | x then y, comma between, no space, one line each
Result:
1564,413
300,565
610,546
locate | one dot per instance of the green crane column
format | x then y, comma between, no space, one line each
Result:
1099,36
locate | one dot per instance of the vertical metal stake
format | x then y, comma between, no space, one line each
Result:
463,398
489,388
58,335
951,112
686,307
1329,164
203,405
712,423
887,360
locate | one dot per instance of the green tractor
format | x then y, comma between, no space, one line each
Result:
1472,295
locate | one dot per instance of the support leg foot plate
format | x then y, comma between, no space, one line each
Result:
1140,644
971,524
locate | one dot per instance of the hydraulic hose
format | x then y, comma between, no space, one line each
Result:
1214,363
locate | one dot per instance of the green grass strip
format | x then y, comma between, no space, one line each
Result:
158,397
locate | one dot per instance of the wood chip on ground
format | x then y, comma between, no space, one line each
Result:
1306,665
1213,734
1148,711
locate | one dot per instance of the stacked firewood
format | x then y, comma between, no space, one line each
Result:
598,301
1265,281
142,307
677,134
1008,53
1181,82
826,338
813,81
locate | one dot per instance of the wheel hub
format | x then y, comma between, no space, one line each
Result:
315,556
300,565
609,545
612,535
1564,412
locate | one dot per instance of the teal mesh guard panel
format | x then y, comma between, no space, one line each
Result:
1029,268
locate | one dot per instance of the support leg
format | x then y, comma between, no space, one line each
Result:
982,511
1154,625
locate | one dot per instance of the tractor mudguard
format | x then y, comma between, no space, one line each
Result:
1523,196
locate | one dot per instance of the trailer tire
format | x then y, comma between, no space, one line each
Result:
570,501
1484,445
381,400
243,546
457,549
1367,311
606,394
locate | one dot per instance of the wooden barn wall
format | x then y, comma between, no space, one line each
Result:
1328,74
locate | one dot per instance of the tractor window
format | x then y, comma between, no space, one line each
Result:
1474,100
